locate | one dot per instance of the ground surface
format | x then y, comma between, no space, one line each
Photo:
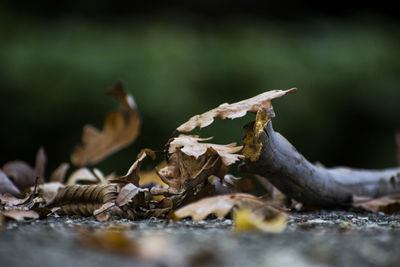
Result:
311,239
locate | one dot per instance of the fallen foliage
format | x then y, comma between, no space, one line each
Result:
387,204
190,145
265,219
133,174
7,186
193,180
20,215
220,206
251,214
120,129
233,111
22,174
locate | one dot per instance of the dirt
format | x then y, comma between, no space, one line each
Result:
311,239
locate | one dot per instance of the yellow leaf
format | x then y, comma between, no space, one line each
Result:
246,220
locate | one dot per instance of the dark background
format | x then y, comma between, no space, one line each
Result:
185,57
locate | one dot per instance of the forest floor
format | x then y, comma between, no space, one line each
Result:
323,238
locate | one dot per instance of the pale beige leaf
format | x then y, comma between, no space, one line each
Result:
49,190
218,205
9,200
84,176
20,215
232,111
120,129
191,146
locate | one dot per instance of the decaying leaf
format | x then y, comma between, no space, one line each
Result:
7,186
218,205
387,204
58,174
83,199
48,191
133,174
85,176
238,184
9,200
1,221
235,110
119,130
252,145
151,177
111,241
108,209
154,249
20,215
128,192
22,174
191,146
183,172
265,219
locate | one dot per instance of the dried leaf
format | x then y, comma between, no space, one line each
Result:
191,146
20,215
252,145
388,204
111,241
22,174
58,174
10,200
1,221
48,191
218,205
128,192
108,209
40,164
151,177
233,111
83,199
132,176
183,172
7,186
267,219
83,176
238,184
120,129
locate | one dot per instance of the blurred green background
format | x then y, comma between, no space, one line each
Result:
55,65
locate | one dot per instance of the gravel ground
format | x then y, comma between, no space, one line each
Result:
311,239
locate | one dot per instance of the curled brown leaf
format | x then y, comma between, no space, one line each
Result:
133,174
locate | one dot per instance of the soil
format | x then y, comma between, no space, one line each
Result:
323,238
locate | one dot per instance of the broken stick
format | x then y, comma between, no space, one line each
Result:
269,154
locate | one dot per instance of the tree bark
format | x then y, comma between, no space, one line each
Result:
315,185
